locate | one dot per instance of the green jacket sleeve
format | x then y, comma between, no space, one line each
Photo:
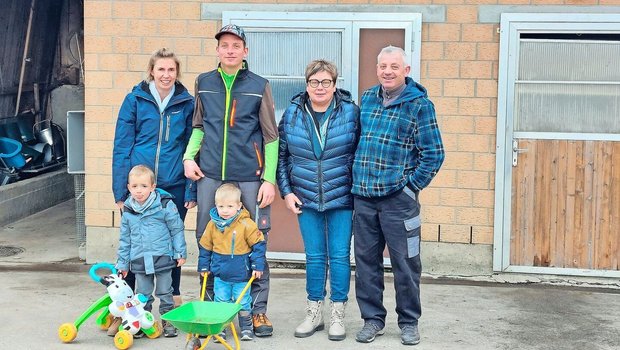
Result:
271,161
193,146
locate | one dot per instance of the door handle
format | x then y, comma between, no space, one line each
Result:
515,151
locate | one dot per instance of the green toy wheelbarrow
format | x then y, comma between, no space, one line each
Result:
206,318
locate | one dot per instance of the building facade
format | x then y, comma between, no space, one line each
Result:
525,93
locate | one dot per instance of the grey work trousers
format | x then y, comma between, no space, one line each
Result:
161,282
393,220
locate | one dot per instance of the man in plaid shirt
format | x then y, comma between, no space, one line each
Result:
399,152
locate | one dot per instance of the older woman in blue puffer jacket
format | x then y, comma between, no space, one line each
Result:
318,137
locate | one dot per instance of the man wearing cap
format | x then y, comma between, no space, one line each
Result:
236,137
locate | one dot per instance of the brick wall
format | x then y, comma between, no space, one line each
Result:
459,68
119,39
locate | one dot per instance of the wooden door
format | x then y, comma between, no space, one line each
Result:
566,204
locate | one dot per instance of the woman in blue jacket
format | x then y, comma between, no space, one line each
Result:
153,128
318,137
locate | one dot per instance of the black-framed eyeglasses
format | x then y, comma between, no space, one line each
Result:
314,83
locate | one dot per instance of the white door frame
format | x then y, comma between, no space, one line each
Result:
512,24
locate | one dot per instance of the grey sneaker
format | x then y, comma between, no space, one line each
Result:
368,333
169,330
409,335
247,335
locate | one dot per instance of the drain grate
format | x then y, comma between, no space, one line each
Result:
6,250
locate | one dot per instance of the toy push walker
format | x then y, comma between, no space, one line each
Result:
120,301
206,318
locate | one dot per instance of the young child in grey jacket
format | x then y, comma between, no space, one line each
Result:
152,240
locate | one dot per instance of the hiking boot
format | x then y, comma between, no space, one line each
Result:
170,331
113,329
247,335
336,322
409,335
313,321
262,325
368,333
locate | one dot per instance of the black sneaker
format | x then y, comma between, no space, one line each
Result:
368,333
139,334
169,330
409,335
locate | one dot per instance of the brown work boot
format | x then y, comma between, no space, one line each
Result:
262,325
113,329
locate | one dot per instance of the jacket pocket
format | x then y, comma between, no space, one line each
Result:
411,193
412,226
233,112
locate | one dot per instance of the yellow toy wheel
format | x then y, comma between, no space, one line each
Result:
157,331
107,322
123,340
67,332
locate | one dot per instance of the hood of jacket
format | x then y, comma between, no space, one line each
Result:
160,201
142,90
412,91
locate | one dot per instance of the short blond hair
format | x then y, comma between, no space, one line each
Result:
228,191
159,54
140,170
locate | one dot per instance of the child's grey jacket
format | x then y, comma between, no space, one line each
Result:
151,241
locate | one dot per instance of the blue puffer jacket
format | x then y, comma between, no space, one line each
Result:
325,183
144,136
151,241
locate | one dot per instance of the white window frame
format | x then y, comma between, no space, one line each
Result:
511,26
349,23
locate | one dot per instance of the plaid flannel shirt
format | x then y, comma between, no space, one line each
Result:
399,145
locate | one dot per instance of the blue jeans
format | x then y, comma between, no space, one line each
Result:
327,239
228,292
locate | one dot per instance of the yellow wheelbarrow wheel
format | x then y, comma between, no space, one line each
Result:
157,331
123,340
67,332
107,322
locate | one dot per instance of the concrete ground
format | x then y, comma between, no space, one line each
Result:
46,285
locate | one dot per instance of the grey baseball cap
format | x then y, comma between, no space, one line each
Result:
231,29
